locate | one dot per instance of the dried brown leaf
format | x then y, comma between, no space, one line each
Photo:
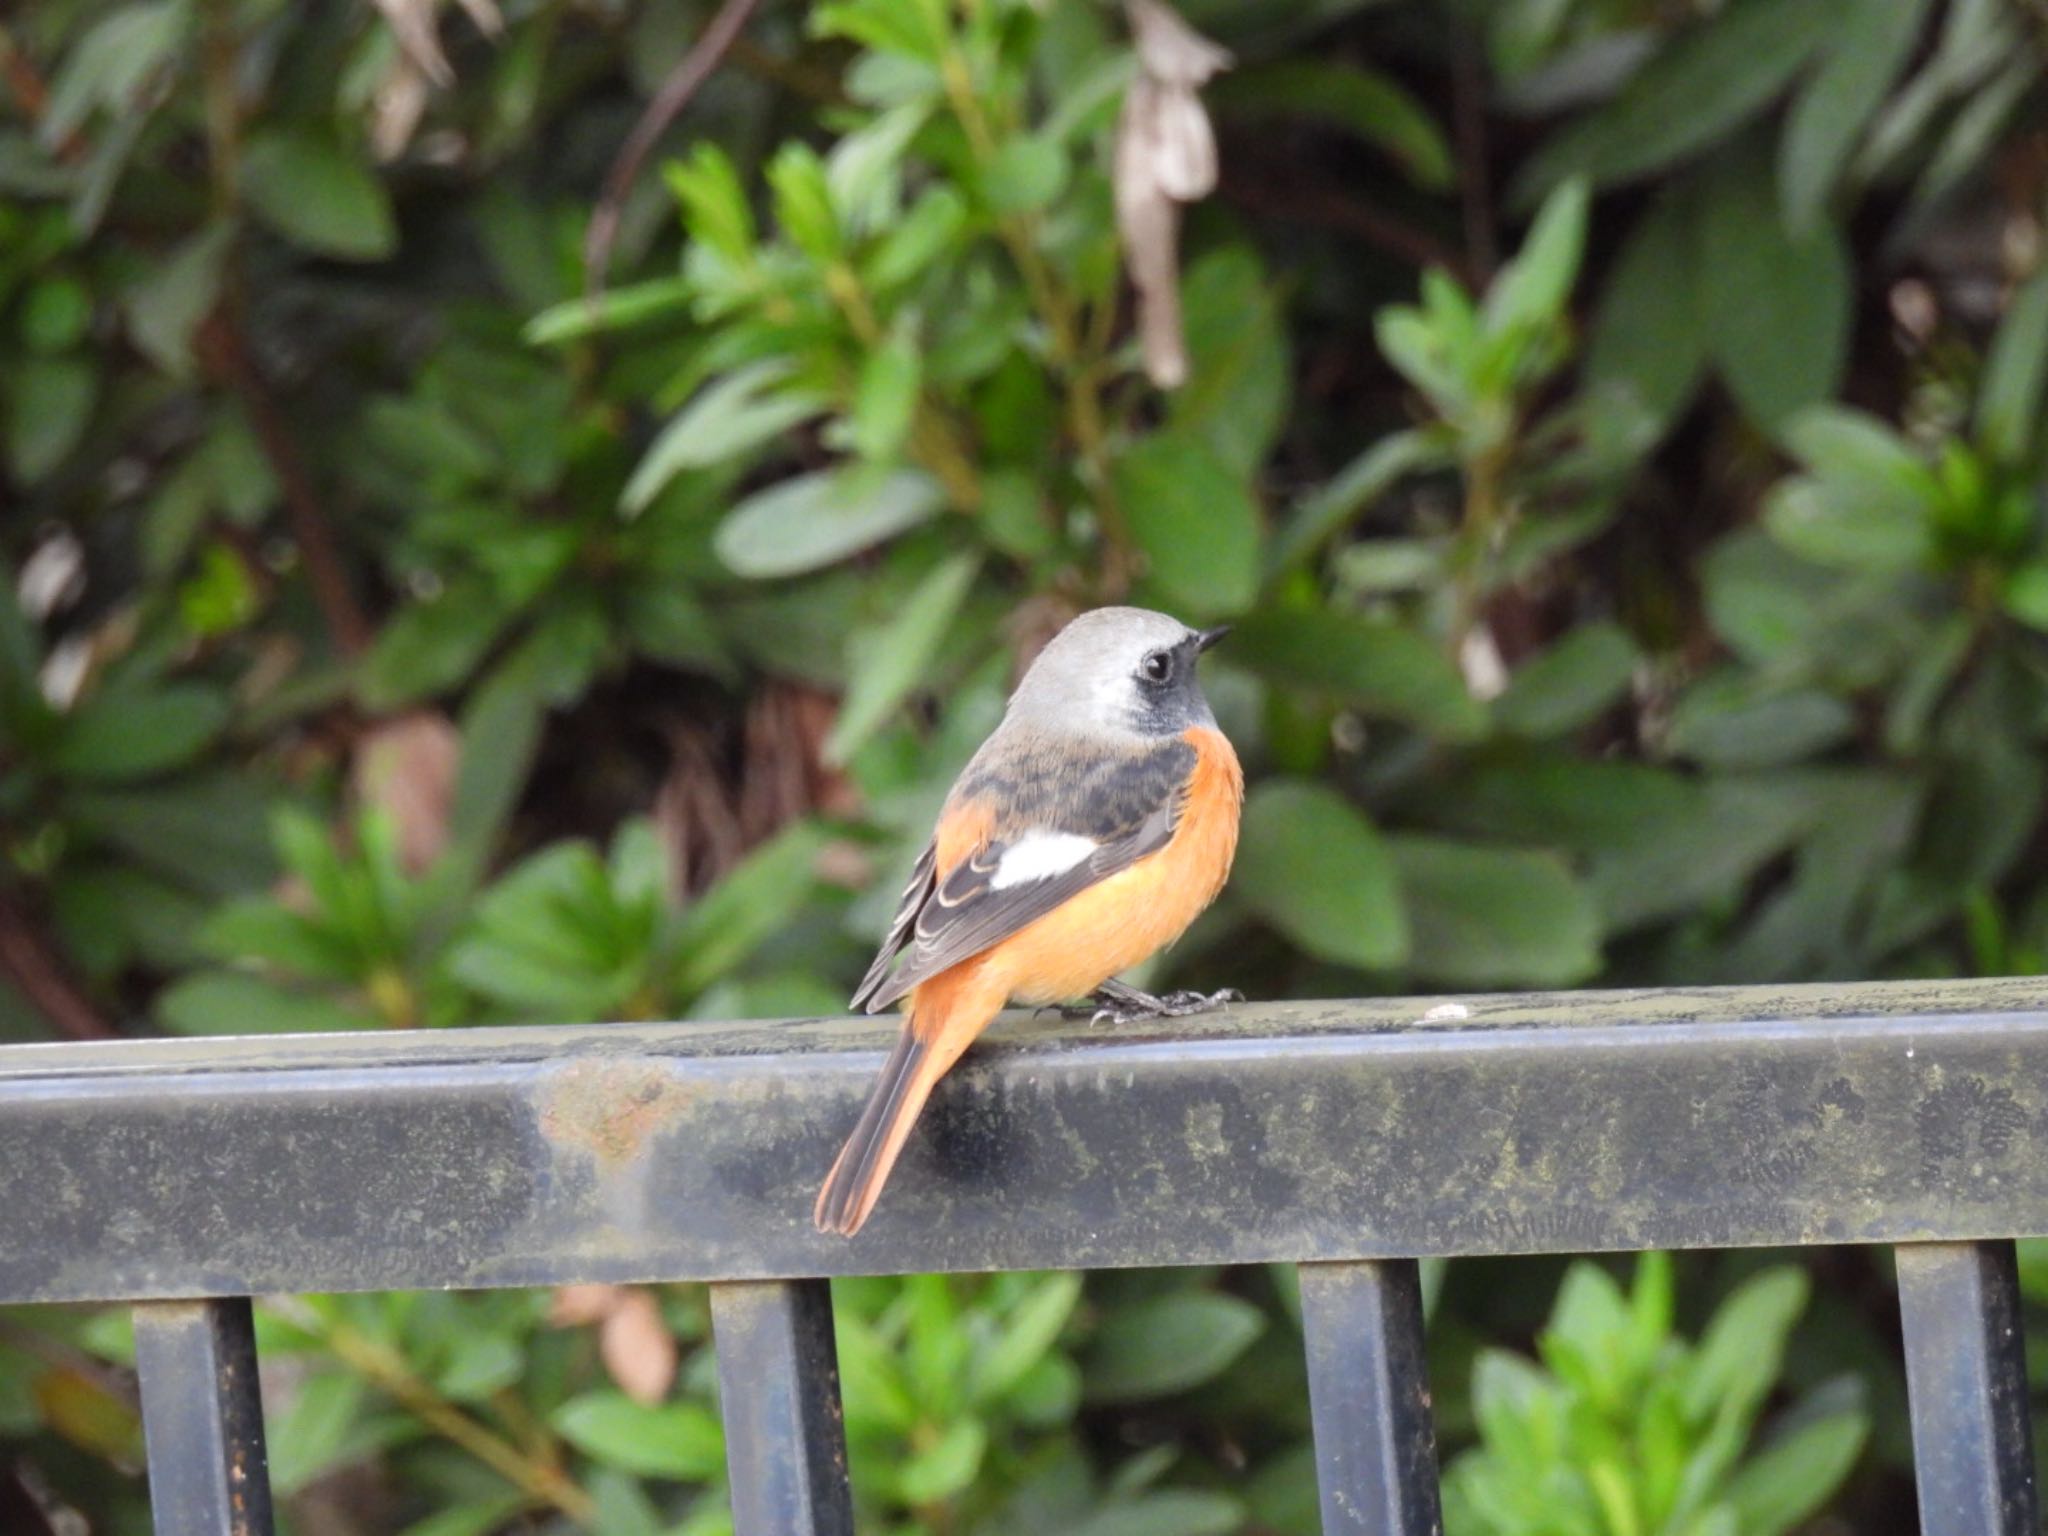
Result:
578,1306
405,767
637,1348
1165,156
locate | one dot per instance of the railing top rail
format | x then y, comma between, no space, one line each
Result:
1299,1131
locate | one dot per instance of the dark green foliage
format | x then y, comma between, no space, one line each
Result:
1617,431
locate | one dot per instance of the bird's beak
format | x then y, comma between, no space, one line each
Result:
1204,638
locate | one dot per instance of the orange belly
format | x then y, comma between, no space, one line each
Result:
1133,914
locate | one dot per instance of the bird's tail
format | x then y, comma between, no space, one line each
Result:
934,1035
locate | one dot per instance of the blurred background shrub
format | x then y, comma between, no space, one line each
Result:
1616,428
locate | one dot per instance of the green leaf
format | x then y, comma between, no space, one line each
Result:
1871,503
682,1441
430,646
1013,515
1814,519
1780,1486
55,314
111,64
887,26
1868,47
131,733
1025,174
1862,457
754,901
551,938
1235,397
1711,78
915,243
1309,863
894,659
803,202
1697,850
818,519
1374,106
1353,489
1165,1512
480,1364
864,169
1735,719
1570,684
1048,1395
1495,916
232,1003
475,1517
729,417
1537,284
871,1376
49,405
1027,1334
2009,396
1195,521
197,829
614,309
317,195
1168,1344
1777,309
1740,1352
501,724
946,1466
257,928
2026,594
669,622
169,299
714,203
885,399
1649,336
1381,668
1590,1314
309,1436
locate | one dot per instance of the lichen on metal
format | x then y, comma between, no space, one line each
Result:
1295,1131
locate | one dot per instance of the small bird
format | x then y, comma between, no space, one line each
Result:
1088,831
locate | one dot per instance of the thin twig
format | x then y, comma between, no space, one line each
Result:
387,1370
31,92
1468,123
27,85
682,83
1263,193
29,959
226,355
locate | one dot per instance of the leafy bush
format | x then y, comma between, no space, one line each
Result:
1632,1430
1615,429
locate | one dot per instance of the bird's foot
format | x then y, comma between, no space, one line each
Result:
1116,1003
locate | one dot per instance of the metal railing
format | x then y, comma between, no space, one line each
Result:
1350,1138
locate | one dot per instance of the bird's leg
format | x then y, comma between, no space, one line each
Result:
1116,1002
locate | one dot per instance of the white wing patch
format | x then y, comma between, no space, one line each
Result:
1040,856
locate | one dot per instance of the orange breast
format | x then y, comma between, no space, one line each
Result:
1136,912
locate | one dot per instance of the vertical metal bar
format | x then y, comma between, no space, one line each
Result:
202,1417
1966,1373
1369,1398
778,1382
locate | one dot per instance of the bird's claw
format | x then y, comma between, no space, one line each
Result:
1129,1006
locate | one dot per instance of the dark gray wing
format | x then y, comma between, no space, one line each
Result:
915,895
1129,804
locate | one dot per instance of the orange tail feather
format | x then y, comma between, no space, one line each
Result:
936,1032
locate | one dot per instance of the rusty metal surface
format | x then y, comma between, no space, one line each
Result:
203,1418
1301,1131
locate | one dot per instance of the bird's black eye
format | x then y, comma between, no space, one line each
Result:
1158,667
